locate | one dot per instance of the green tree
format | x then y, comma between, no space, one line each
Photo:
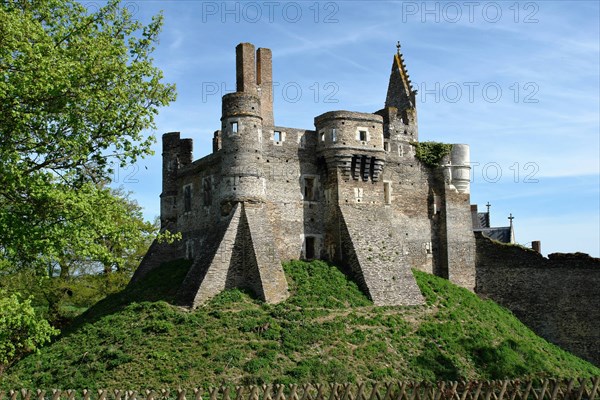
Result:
21,330
99,243
77,89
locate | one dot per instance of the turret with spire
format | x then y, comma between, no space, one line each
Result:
400,112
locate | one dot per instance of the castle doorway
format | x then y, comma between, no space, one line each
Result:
309,247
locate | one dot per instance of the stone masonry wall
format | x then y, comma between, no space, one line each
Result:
350,191
558,298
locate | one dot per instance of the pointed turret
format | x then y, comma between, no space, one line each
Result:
400,94
400,112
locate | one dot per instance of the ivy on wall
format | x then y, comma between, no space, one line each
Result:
431,153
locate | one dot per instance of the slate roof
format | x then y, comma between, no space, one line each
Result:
481,220
501,234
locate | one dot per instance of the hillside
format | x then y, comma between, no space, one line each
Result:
327,331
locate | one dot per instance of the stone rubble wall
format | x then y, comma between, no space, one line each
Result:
557,297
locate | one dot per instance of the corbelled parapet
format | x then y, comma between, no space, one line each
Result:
352,143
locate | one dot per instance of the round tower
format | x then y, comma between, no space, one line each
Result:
242,160
460,167
352,142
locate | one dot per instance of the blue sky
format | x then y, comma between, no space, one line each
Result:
517,81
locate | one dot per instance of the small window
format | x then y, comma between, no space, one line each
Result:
362,136
277,136
386,193
189,249
322,136
207,191
358,195
309,189
404,118
187,198
333,135
234,127
386,146
428,248
309,247
302,140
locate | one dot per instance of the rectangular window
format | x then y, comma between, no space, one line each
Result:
309,189
387,197
234,127
358,194
322,136
189,249
362,136
309,247
302,140
187,198
386,146
333,135
277,136
207,191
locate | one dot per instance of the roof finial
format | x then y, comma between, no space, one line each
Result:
398,47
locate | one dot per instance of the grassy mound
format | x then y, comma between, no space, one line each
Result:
327,331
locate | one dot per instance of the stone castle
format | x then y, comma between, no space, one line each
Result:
350,190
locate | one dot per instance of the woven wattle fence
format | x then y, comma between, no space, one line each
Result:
550,389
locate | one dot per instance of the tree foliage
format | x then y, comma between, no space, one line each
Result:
21,329
77,90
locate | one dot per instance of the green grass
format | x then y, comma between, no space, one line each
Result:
326,331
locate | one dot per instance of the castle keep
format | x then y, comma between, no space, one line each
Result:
349,190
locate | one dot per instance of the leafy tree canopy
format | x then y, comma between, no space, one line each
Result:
21,330
77,88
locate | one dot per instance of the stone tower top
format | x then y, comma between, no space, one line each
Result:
400,91
254,75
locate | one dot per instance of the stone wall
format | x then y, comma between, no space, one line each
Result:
557,297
